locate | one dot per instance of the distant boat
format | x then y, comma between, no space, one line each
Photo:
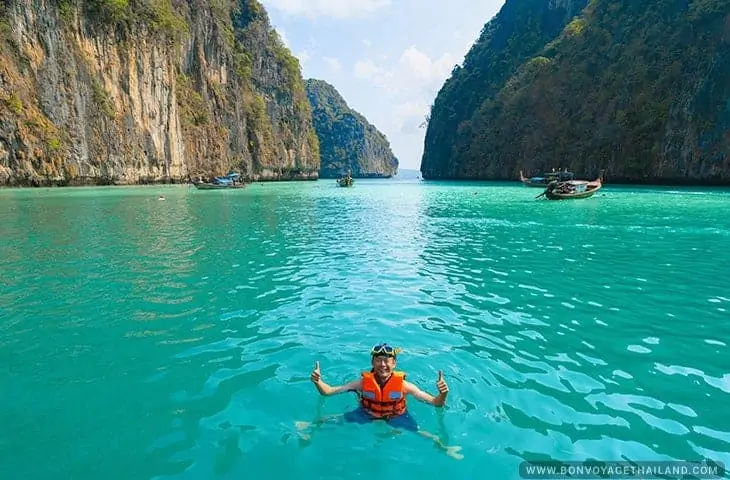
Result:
543,181
221,183
345,182
572,189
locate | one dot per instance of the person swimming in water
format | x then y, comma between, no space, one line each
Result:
382,391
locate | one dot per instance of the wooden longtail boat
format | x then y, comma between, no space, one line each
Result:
572,189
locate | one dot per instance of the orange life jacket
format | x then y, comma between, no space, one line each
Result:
389,401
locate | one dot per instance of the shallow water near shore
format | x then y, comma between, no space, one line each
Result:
173,339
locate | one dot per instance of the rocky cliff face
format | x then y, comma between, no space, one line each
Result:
639,90
348,141
515,34
134,91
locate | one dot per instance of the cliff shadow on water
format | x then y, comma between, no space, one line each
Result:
148,91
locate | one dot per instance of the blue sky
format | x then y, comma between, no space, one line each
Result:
387,58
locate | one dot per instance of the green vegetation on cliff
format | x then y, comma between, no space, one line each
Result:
515,34
347,140
159,16
640,90
129,91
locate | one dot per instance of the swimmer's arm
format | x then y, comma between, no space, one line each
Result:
437,401
327,390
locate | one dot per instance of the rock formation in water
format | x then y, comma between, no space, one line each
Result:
347,140
135,91
638,89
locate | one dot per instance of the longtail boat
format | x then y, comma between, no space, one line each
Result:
572,189
345,182
221,183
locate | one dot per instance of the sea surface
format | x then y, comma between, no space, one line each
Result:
148,338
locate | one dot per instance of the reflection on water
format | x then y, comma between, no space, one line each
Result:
572,330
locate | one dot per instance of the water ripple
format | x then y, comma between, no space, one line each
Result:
189,327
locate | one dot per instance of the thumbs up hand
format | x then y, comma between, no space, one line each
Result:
443,388
316,376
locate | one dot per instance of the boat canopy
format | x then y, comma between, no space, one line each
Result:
226,180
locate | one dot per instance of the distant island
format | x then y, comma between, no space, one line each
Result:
348,142
639,90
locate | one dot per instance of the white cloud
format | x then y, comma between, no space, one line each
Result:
414,79
410,109
378,76
423,68
282,35
303,57
366,69
328,8
367,42
333,63
414,71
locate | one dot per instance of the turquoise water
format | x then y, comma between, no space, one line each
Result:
142,338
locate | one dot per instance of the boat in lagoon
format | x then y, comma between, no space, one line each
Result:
346,181
547,178
572,189
232,180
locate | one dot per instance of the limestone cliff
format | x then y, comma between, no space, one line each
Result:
638,89
134,91
347,140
